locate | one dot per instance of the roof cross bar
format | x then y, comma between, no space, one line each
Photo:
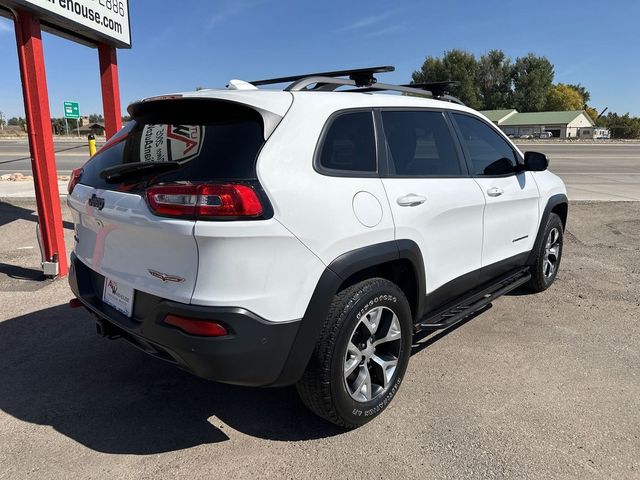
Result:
437,88
361,76
329,84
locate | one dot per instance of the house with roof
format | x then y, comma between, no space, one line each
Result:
96,128
570,124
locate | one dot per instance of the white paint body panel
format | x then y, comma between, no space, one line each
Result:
257,265
447,226
317,209
510,216
124,240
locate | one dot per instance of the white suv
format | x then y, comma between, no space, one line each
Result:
303,236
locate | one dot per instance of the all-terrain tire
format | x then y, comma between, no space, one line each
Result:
548,251
324,388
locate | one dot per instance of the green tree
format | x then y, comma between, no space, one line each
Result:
456,65
57,126
563,97
621,126
592,112
13,121
532,80
493,77
96,118
582,90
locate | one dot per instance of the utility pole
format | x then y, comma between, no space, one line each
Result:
1,122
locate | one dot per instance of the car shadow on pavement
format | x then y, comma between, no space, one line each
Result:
112,398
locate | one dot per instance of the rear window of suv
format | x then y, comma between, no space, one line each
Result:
210,140
349,145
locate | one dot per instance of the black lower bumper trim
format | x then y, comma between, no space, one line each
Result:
254,353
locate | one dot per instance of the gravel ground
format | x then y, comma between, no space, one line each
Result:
539,386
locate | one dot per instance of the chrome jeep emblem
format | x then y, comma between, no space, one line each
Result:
165,277
96,202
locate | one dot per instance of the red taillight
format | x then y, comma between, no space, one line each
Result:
74,179
203,328
205,201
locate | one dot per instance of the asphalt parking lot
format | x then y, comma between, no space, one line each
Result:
538,386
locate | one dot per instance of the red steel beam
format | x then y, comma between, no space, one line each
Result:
110,89
43,162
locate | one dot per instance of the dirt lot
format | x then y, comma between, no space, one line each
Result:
539,386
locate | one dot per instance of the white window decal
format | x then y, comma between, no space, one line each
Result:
171,143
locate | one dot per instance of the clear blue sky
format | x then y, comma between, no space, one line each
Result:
181,45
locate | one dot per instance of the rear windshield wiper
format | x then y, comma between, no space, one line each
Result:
122,172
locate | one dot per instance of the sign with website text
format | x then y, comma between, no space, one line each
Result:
90,20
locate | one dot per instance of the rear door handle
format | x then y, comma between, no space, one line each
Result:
411,200
495,192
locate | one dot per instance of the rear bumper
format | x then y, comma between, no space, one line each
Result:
254,353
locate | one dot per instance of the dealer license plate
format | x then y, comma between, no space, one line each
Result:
118,295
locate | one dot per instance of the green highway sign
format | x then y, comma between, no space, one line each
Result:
71,110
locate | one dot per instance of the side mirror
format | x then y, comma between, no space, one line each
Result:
535,161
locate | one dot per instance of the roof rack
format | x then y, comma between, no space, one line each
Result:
364,81
435,90
362,76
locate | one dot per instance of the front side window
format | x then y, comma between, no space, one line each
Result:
489,153
419,144
350,145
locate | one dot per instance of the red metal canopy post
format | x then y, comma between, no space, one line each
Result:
43,162
110,89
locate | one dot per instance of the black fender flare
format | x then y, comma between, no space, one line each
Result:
333,276
554,201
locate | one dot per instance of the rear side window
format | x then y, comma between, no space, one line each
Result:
208,140
489,153
419,144
349,145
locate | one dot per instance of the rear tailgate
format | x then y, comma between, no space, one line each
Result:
125,242
118,234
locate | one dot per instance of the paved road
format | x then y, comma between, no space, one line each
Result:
591,171
75,154
537,387
595,171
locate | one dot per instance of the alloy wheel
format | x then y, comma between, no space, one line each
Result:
372,354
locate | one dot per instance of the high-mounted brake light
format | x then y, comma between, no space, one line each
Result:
204,200
74,179
203,328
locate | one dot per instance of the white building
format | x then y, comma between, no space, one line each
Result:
571,124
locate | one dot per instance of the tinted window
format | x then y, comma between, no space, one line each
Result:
207,143
350,144
419,144
489,153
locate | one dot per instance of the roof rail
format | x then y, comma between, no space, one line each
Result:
364,81
435,90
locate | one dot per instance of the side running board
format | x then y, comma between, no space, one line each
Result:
461,309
